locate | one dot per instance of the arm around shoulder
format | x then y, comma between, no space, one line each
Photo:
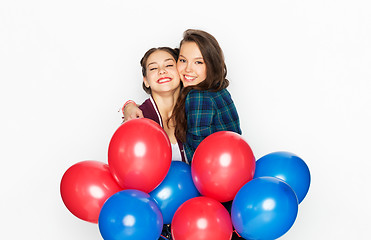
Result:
131,111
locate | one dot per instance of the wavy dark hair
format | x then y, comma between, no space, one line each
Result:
216,72
143,62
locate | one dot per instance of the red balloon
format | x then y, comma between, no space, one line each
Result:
139,154
85,186
201,218
222,164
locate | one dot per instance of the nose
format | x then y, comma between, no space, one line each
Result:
188,67
162,70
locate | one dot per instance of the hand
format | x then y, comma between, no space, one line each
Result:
131,111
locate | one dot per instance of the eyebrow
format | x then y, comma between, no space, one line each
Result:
194,58
168,59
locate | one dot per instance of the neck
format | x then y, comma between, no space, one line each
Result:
165,103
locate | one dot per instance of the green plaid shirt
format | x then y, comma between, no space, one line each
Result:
208,112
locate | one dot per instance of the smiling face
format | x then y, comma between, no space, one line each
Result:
191,65
161,73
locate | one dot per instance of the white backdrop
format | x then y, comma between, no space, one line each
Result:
300,75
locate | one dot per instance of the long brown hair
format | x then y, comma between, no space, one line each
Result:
216,72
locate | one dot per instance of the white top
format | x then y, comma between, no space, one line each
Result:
175,150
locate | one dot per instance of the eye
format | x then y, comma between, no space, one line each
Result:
151,69
182,60
199,62
170,65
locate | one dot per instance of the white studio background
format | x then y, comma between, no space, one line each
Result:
300,75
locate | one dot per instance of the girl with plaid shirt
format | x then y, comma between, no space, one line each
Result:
204,105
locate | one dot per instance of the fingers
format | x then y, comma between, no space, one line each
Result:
140,114
135,115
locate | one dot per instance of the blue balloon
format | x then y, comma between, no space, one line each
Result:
174,190
288,167
130,214
264,208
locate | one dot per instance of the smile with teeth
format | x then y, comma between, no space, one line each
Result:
189,78
164,80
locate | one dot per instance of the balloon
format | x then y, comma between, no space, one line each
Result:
174,190
130,214
264,208
222,164
85,186
288,167
139,154
201,218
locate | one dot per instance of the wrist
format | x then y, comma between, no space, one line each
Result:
127,103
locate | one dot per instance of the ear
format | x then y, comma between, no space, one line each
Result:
145,82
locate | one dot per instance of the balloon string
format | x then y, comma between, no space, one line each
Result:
236,233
